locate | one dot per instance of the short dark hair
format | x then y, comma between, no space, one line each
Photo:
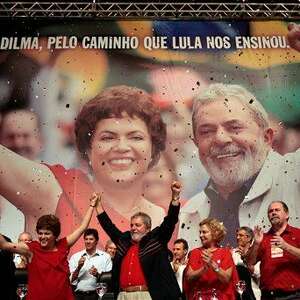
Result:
284,205
248,230
113,102
91,231
49,222
184,242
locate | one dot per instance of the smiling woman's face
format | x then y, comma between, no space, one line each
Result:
206,236
46,238
120,150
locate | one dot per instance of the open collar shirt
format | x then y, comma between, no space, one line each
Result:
279,178
280,272
85,281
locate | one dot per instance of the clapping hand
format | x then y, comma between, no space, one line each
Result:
243,251
258,235
207,258
278,241
93,271
176,264
23,262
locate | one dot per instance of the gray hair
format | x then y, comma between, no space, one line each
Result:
24,233
248,230
217,90
146,218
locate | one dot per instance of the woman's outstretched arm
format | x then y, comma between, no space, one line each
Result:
20,248
28,185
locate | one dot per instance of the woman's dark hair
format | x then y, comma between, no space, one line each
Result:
113,102
49,222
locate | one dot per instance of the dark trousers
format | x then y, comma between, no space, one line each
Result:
244,274
84,296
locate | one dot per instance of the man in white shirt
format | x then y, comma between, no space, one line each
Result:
20,260
234,138
180,250
87,265
249,273
111,248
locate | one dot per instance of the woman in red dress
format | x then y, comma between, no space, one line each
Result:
48,270
210,270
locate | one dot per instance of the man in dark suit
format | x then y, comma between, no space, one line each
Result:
141,267
7,274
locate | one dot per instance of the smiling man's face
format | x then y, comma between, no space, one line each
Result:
232,146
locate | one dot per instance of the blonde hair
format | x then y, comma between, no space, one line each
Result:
217,228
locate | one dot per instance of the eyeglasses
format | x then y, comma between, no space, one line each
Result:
242,235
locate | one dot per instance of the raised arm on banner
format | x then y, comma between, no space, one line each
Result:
27,184
293,36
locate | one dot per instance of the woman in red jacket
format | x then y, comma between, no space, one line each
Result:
210,270
48,269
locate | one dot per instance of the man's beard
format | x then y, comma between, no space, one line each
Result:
275,221
136,237
238,171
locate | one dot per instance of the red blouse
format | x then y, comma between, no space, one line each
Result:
209,280
73,203
48,273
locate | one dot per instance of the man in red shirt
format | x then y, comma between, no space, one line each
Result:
278,250
141,268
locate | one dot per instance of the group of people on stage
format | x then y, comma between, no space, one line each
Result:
142,268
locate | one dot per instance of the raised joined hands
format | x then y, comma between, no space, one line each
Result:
95,199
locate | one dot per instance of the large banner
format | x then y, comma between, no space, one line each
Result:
123,108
